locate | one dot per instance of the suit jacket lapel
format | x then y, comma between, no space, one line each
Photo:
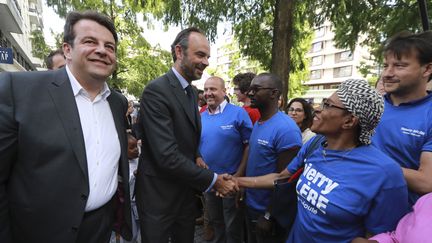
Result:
62,95
182,98
119,116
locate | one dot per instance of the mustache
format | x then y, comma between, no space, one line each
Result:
390,80
201,66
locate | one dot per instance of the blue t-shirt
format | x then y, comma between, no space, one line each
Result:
404,132
223,138
267,141
344,194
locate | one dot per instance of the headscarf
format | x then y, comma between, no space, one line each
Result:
363,102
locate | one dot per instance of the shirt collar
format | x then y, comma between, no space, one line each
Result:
182,80
77,88
414,102
219,109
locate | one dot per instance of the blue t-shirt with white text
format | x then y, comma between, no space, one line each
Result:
344,194
404,132
267,141
223,138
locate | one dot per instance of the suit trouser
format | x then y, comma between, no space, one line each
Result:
225,217
165,211
97,225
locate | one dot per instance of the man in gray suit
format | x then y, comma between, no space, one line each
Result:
168,176
63,143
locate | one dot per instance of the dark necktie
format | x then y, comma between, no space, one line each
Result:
191,98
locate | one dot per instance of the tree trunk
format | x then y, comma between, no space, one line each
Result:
282,43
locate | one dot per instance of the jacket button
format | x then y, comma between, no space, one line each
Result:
74,229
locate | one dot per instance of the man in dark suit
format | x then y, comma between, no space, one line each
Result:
63,143
168,176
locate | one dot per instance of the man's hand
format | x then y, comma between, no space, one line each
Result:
225,185
200,162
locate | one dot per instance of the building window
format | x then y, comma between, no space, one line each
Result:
315,74
320,32
342,72
318,46
316,87
318,60
334,86
343,56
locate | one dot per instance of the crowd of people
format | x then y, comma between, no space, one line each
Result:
79,162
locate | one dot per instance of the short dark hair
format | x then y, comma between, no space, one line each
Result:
273,78
243,81
49,58
308,111
182,39
427,35
75,16
404,43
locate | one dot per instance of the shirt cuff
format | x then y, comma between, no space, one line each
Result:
212,184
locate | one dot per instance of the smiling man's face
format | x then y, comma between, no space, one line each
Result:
92,57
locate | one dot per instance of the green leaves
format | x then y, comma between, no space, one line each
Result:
370,22
40,48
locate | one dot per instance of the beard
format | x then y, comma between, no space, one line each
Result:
189,69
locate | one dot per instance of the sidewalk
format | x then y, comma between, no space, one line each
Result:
198,236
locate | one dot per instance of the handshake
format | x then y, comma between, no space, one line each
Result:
226,185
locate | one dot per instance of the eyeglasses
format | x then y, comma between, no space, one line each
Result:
325,105
297,110
255,89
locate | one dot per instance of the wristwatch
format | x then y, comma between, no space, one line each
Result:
267,215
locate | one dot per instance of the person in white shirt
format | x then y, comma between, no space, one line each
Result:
63,143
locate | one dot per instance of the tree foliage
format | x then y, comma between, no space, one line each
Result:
253,24
369,22
40,47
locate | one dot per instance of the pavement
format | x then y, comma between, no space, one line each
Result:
197,239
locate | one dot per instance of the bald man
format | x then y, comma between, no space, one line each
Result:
226,129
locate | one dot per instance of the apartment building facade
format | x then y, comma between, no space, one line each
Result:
329,66
227,60
18,18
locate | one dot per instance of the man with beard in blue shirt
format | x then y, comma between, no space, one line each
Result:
405,130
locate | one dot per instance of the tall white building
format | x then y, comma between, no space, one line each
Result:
18,18
229,61
329,66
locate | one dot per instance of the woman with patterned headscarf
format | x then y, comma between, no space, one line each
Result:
348,188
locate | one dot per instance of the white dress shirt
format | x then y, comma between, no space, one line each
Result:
101,143
218,109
